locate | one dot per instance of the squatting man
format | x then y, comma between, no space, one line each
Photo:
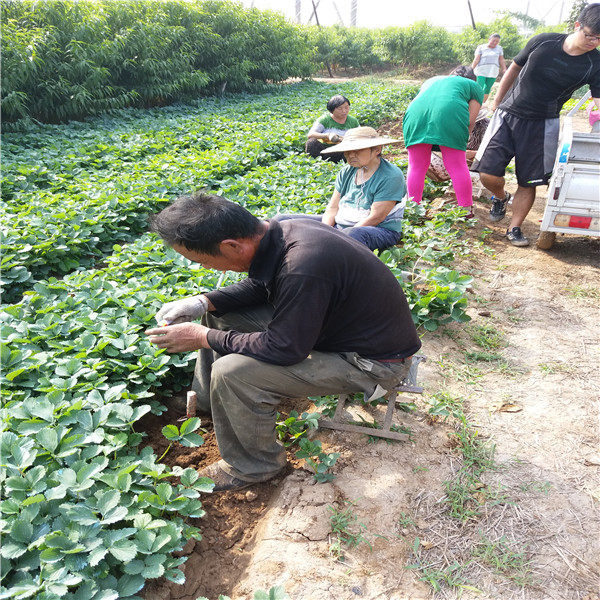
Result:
318,314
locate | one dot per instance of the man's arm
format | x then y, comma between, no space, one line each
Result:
186,337
301,304
506,83
238,295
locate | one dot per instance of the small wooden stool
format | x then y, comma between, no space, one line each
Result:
409,384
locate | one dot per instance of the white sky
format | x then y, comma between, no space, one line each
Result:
453,14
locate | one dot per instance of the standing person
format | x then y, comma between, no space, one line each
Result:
525,124
370,193
330,128
318,314
488,62
442,115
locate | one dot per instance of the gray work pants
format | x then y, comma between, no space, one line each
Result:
242,393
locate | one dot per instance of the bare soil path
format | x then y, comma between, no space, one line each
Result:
525,369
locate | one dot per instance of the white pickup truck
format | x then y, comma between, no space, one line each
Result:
573,204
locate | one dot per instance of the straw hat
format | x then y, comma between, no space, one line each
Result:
359,138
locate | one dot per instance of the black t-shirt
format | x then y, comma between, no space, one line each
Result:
330,293
549,76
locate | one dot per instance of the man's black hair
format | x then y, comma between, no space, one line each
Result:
464,71
336,101
201,221
590,17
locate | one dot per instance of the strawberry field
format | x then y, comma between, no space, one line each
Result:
91,512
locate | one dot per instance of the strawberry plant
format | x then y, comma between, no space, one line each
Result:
90,512
105,176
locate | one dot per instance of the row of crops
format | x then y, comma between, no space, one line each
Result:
90,512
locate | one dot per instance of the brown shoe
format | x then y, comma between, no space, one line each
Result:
224,482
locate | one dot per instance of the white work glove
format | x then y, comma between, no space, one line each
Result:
334,137
180,311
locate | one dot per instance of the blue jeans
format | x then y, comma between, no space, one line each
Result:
374,238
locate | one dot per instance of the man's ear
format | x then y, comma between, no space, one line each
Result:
230,247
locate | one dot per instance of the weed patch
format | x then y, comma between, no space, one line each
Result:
346,529
505,559
487,337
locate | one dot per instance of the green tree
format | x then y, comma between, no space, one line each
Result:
510,39
578,6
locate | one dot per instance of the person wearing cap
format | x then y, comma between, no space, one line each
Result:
441,117
330,128
488,62
318,314
370,192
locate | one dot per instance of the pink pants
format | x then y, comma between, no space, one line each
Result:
455,161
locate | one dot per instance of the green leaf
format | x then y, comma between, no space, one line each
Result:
51,555
189,477
275,593
176,576
128,585
21,531
170,432
124,551
205,485
108,500
82,515
33,500
114,514
134,567
191,440
11,550
154,569
164,491
48,439
91,469
189,425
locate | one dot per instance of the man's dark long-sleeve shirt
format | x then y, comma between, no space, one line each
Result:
329,292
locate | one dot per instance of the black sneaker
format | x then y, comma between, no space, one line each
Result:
516,238
498,210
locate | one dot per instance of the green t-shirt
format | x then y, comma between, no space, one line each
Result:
326,124
439,115
387,183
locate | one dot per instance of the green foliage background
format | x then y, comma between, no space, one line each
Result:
65,59
68,59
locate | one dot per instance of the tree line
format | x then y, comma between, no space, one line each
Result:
67,59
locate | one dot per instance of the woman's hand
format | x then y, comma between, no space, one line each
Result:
474,108
379,211
332,209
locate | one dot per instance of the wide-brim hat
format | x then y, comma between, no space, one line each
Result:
359,138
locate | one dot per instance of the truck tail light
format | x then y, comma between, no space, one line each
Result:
576,221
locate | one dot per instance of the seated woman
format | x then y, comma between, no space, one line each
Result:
370,193
330,128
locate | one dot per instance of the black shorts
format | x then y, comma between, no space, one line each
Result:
532,142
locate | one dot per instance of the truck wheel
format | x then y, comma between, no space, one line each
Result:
546,240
